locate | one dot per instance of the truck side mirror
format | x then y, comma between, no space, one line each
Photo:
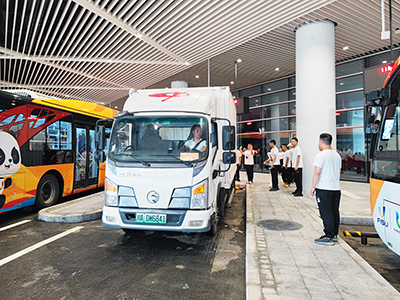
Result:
229,157
100,137
228,137
100,156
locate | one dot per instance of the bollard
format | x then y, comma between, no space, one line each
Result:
364,235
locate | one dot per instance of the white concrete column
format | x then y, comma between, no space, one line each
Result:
275,124
315,90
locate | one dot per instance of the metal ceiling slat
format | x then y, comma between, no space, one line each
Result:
36,26
157,13
26,39
19,38
96,36
82,18
162,21
90,34
56,29
125,10
138,13
179,21
226,25
133,11
111,6
148,12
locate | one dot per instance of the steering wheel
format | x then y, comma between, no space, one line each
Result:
127,147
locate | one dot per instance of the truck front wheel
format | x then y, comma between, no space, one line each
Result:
221,203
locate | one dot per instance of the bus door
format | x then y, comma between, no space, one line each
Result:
85,167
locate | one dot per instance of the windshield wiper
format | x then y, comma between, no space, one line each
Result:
178,159
138,160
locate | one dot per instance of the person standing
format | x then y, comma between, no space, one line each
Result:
238,164
275,164
326,187
297,163
248,162
284,171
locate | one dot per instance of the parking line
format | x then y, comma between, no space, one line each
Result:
14,225
38,245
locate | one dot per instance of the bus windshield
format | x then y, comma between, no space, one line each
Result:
386,164
159,139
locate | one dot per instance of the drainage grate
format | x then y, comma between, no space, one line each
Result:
274,224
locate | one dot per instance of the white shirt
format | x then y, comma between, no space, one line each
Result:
281,155
191,143
248,157
275,152
296,152
287,155
238,157
330,163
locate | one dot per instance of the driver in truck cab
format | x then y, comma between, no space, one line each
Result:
196,143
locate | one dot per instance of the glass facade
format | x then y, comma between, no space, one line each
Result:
272,115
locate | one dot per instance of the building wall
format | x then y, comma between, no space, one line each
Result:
272,114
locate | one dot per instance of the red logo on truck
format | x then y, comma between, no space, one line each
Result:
170,95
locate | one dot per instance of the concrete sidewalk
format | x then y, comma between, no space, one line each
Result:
284,262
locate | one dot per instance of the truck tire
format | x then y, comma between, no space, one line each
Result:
47,192
214,227
221,203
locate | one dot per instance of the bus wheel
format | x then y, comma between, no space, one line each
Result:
47,191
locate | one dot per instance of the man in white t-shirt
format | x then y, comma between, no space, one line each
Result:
297,164
275,165
326,187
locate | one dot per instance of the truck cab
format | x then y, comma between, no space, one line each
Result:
170,164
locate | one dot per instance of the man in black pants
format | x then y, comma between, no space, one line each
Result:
297,164
326,186
275,165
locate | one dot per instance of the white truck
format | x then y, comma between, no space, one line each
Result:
170,161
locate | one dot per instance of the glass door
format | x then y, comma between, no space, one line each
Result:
86,171
81,154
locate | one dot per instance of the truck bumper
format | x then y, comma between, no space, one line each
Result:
184,221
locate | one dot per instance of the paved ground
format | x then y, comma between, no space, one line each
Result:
93,262
282,260
287,264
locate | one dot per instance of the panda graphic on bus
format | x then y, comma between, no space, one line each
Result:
10,161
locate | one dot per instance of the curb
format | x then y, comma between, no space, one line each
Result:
78,218
356,221
88,208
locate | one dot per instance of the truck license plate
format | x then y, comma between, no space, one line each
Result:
151,218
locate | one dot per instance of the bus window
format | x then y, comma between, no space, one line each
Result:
390,130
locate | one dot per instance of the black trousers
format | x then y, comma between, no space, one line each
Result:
237,176
298,179
274,174
328,203
285,174
250,172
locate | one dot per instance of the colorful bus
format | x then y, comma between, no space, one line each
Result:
46,149
383,124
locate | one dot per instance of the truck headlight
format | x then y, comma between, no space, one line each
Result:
110,194
200,195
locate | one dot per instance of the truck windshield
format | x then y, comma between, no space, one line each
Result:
159,139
